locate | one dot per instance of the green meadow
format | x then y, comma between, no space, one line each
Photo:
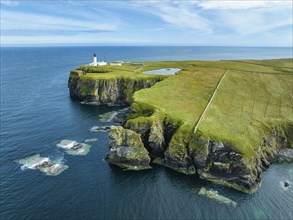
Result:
254,97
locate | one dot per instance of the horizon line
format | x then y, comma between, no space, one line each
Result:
133,45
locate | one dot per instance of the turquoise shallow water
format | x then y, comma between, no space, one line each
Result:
37,113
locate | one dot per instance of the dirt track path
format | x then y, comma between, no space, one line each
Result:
207,106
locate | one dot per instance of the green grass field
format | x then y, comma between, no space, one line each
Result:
246,107
254,96
183,96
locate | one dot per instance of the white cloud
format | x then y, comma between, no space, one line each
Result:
177,14
157,29
255,21
250,26
184,17
9,2
24,21
202,22
243,4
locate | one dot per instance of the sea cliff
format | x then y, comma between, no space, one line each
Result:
174,145
232,146
107,91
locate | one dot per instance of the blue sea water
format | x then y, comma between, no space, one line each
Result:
37,112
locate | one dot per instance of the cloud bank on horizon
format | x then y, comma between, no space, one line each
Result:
200,22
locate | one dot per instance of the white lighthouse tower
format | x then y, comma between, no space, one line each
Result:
95,59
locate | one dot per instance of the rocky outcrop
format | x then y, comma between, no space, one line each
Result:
177,156
156,138
116,91
216,196
216,161
152,133
220,163
127,149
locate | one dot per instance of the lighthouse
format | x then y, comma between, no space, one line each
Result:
96,63
95,59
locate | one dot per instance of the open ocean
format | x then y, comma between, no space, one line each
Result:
37,113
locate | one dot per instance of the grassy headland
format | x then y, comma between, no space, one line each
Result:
225,120
254,97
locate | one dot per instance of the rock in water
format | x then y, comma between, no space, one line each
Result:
285,185
44,164
107,117
121,115
74,148
215,196
100,128
127,149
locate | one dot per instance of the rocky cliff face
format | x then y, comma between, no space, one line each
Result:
116,91
173,146
127,149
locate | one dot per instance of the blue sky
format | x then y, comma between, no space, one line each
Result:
199,23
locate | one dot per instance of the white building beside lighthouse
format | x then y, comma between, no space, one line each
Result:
97,63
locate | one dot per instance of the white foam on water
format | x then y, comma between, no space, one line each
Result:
84,150
91,140
66,144
33,161
44,164
98,129
23,167
282,184
34,165
55,169
93,129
